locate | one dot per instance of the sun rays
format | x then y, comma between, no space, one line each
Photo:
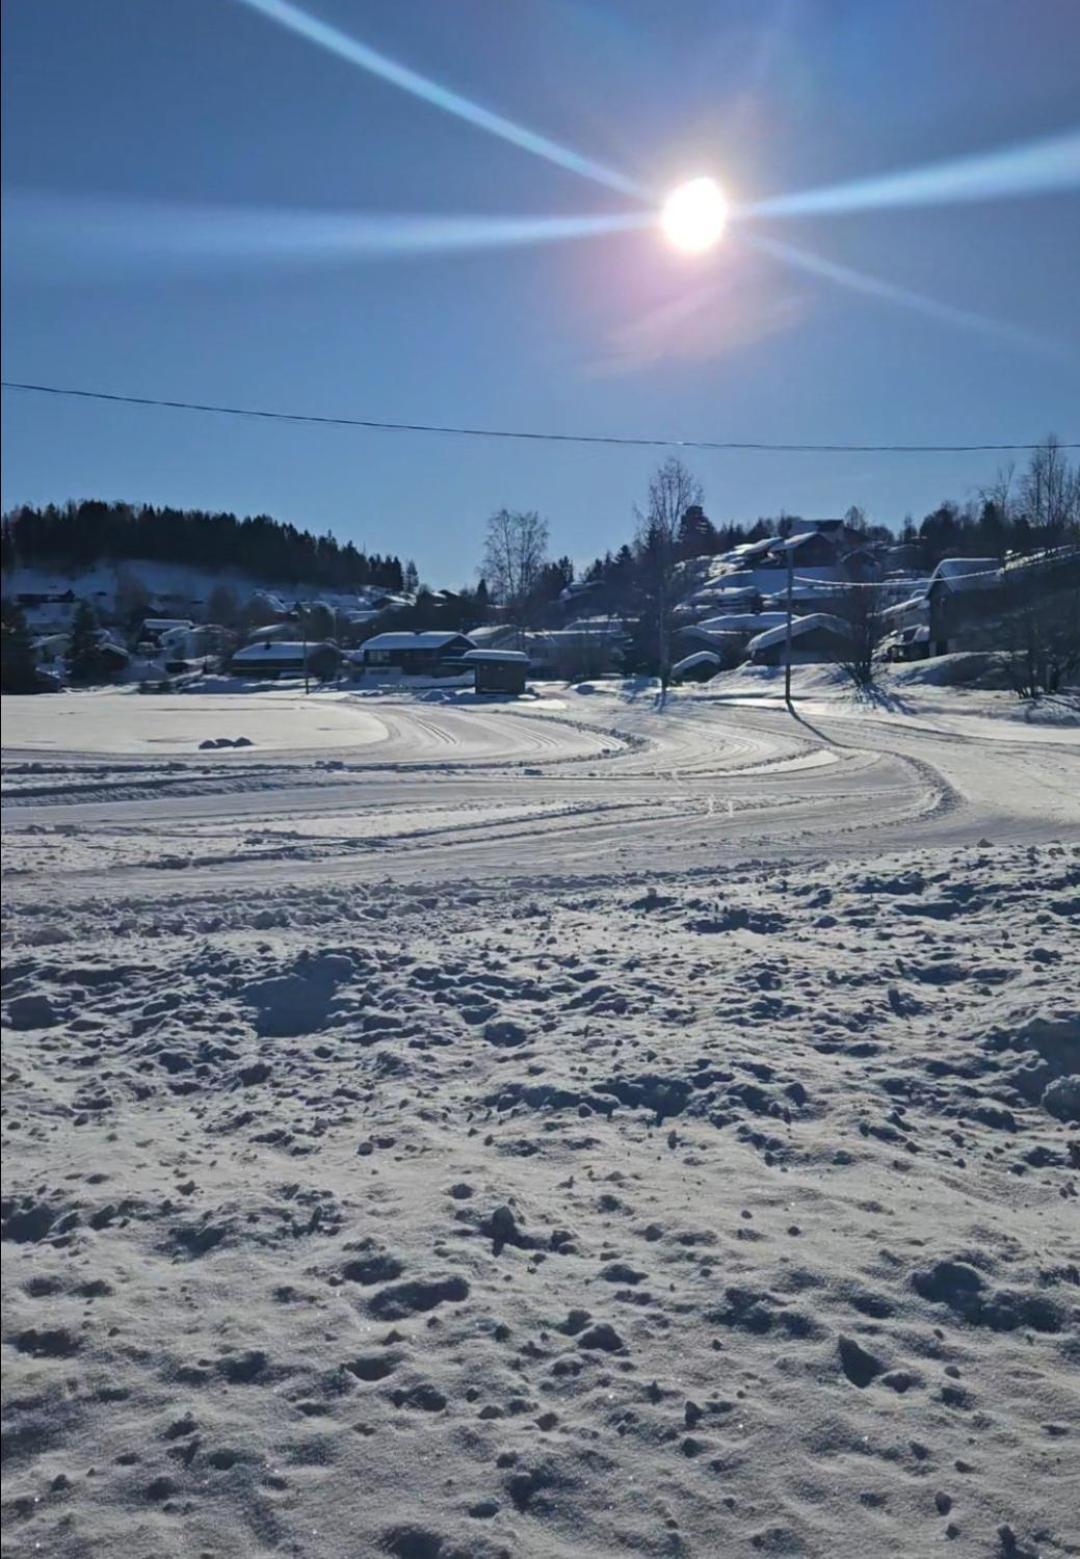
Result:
49,235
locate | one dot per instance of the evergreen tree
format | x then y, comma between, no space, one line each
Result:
84,655
696,536
18,673
222,606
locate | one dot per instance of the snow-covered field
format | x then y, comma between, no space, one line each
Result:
568,1127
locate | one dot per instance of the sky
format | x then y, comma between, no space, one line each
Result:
133,128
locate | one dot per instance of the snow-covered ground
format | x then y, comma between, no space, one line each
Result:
566,1127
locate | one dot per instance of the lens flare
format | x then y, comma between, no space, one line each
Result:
889,292
49,237
1036,168
694,216
352,50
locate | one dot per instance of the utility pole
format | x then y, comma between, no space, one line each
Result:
787,636
303,624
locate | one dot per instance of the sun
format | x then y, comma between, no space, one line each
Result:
694,216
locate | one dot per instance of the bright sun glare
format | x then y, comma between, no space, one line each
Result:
694,216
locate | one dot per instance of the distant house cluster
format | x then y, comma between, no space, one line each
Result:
762,602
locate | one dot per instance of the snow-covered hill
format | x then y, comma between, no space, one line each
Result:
174,589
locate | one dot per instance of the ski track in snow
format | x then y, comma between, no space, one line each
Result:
567,1129
529,790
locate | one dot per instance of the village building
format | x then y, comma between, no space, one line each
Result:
286,658
498,671
817,637
427,654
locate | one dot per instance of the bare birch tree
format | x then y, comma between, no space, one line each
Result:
672,491
515,552
861,613
1051,492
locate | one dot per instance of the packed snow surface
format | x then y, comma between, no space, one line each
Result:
577,1126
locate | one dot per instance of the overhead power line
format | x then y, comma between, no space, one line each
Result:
382,426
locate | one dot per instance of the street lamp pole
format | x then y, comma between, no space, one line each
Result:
787,635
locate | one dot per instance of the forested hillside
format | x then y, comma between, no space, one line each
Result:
91,531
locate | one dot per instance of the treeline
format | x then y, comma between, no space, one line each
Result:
78,535
1019,513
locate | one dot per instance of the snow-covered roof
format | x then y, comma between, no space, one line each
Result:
793,543
602,625
726,594
497,657
428,640
743,622
689,662
967,573
578,587
491,633
799,626
750,549
271,650
819,591
722,638
274,602
271,631
916,603
732,580
163,624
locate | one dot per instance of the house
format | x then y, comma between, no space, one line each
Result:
113,658
742,622
205,641
910,613
271,632
427,654
812,550
817,637
498,671
726,646
571,593
960,590
591,647
51,649
286,658
910,643
825,550
698,667
495,636
153,628
28,598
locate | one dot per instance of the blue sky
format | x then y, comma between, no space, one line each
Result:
203,103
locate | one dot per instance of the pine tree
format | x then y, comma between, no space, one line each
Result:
18,673
84,655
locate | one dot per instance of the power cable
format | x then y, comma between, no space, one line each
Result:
379,425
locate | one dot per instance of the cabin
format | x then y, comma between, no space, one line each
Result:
726,646
286,658
957,595
498,671
817,637
427,654
699,667
154,627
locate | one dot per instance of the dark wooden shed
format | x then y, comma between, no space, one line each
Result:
498,671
